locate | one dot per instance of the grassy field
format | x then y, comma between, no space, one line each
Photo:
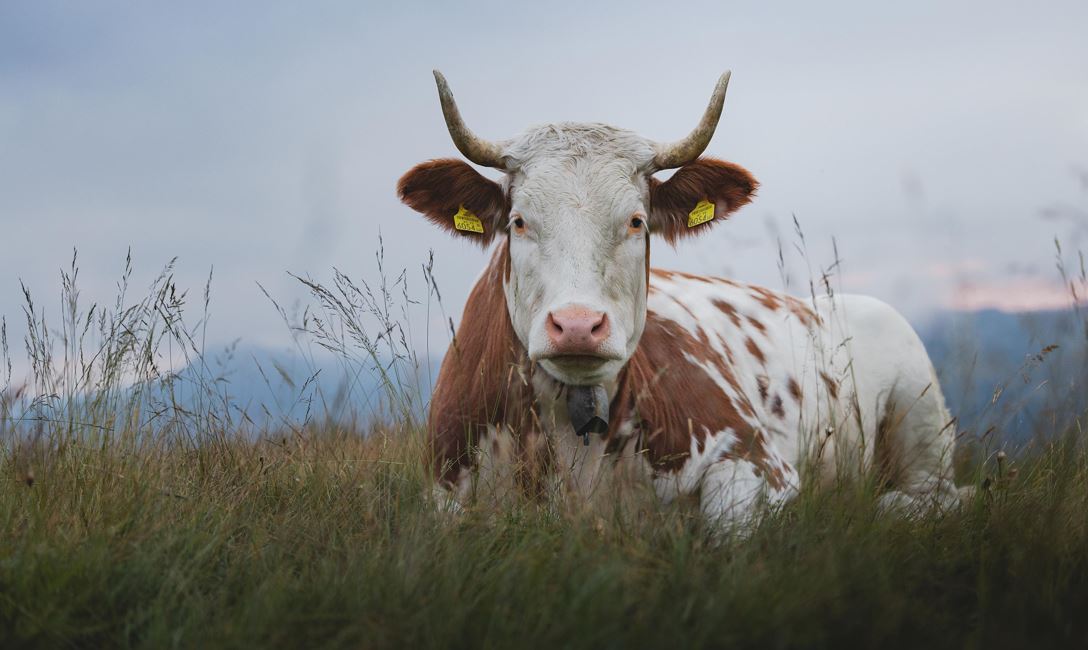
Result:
326,541
130,520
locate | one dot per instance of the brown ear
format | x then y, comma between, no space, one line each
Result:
439,188
724,184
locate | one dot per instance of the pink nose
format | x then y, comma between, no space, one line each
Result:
577,330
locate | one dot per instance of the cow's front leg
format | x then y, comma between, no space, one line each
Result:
735,492
445,499
470,472
923,493
500,469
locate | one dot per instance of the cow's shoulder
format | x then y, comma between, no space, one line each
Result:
482,381
713,376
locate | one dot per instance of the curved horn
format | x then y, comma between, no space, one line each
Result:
684,151
478,150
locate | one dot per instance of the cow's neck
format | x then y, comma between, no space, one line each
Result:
488,381
576,463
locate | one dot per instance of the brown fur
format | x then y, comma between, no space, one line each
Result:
438,188
754,350
484,377
769,299
795,390
756,324
728,186
727,309
674,401
776,406
802,311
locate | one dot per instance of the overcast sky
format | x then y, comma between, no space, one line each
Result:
927,138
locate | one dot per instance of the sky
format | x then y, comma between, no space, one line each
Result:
942,146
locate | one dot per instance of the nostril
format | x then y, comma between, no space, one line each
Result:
601,325
576,330
553,326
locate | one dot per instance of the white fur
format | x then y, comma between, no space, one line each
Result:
577,187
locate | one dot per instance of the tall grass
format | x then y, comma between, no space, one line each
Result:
140,507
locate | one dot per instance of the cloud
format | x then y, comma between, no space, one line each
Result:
260,140
1014,295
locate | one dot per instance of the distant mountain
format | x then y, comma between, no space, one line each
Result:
1014,374
1011,374
287,387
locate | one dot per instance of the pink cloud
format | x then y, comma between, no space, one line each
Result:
948,270
1020,294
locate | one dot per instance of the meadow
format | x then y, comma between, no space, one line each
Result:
140,507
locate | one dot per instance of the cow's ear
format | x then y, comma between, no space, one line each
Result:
456,197
681,206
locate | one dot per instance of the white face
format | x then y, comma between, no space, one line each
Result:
578,249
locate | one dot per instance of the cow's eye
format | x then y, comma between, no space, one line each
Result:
636,224
518,224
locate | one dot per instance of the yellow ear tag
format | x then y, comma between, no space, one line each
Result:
703,212
465,220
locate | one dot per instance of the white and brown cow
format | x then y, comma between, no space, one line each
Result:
716,388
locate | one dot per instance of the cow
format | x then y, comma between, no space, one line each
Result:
731,393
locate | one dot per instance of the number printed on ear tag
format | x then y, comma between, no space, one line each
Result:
465,220
703,212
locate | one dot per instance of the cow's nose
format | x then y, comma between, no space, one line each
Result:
577,330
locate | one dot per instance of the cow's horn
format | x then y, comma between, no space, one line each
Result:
682,152
478,150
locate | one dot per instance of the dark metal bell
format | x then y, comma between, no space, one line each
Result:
587,408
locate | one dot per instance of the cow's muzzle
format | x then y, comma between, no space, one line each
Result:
576,331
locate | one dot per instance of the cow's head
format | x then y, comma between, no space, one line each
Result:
578,203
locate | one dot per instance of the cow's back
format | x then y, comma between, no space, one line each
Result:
810,379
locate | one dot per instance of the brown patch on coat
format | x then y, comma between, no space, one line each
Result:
729,356
769,299
763,382
774,301
776,406
795,389
754,350
728,186
752,448
832,385
483,380
669,274
685,309
438,188
673,401
724,369
697,278
801,311
727,309
756,324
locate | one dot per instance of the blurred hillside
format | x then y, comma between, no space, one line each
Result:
1006,375
1010,375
